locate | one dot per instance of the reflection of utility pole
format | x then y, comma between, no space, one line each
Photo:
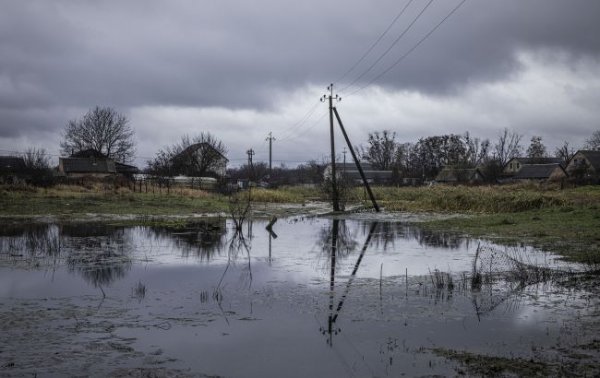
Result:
250,153
330,319
270,138
334,313
336,205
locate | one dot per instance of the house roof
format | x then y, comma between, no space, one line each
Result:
350,170
11,163
87,165
536,171
592,156
539,160
126,168
89,153
450,174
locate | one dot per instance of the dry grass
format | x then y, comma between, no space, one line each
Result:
484,199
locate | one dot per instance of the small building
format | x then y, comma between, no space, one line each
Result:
585,164
86,167
201,157
12,169
452,175
91,163
11,164
514,165
351,173
541,172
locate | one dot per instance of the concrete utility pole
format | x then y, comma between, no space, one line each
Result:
356,161
250,153
331,97
270,138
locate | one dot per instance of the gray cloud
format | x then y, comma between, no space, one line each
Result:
246,55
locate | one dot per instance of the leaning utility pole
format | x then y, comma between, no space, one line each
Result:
335,199
270,138
356,161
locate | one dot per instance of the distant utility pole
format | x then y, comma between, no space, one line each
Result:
270,138
250,153
331,97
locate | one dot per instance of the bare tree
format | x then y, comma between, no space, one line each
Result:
381,152
508,146
196,157
593,143
36,159
102,130
564,152
536,149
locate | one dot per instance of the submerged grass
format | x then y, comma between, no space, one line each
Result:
573,233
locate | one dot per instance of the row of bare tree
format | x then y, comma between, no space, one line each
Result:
429,155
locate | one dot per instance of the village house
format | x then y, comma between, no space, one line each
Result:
585,164
351,173
12,168
540,172
453,175
514,165
200,160
93,164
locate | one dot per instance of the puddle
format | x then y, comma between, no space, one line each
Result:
203,299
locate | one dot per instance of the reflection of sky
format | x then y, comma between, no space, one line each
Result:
299,253
272,311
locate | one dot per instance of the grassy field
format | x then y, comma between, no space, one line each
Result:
566,221
73,200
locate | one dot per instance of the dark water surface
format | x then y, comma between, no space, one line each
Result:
314,297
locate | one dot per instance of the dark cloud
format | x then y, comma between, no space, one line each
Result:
239,54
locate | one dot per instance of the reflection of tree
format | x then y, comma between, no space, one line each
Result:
345,243
238,244
100,253
202,239
33,243
389,232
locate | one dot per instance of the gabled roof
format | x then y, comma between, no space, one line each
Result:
11,163
87,165
539,160
89,153
592,156
126,168
537,171
451,174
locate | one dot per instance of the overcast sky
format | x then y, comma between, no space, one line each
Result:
241,69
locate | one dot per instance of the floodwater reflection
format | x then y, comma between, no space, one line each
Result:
312,297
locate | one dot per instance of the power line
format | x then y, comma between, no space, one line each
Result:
375,43
301,132
291,129
390,47
413,48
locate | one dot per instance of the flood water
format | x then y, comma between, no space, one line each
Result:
317,297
